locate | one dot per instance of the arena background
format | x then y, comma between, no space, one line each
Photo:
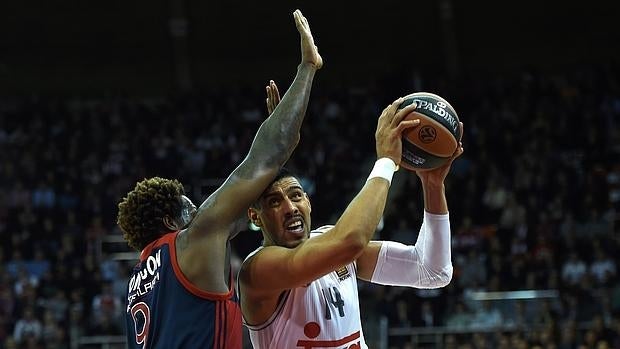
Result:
97,95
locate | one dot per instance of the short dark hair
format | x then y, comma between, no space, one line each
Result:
283,173
141,212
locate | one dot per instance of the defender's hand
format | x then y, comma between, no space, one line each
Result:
309,51
390,129
273,97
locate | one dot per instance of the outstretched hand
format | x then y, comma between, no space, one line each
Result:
309,51
390,128
437,175
273,97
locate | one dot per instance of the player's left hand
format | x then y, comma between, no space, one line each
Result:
273,97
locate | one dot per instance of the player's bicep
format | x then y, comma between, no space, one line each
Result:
269,271
367,261
277,268
323,254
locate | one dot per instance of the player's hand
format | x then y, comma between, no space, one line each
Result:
390,128
309,51
437,175
273,97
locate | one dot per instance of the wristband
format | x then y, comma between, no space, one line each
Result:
384,168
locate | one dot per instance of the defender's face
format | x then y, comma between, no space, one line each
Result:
283,213
188,212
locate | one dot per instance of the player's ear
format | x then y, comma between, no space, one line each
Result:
253,216
169,223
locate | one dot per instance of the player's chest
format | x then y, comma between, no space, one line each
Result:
334,294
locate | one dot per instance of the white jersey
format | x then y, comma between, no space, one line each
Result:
323,314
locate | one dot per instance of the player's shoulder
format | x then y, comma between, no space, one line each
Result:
249,257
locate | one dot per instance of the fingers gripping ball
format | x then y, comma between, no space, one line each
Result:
433,142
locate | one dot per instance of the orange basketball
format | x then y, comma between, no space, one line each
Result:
433,142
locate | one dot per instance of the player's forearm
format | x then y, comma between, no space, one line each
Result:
434,240
435,198
279,134
360,219
427,264
272,146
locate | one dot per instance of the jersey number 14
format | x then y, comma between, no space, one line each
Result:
332,296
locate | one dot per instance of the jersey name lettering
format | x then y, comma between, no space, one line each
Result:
144,281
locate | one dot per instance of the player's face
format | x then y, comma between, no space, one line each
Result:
283,213
188,211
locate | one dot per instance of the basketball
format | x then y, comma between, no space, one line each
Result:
435,139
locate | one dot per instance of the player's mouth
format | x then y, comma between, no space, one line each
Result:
294,226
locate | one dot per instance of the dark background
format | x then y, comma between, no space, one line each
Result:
89,47
97,95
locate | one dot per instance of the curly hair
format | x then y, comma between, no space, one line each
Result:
141,212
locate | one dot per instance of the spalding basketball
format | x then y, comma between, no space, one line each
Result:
435,139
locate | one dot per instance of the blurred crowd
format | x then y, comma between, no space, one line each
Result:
534,202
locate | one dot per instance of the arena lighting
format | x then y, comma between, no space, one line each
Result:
523,294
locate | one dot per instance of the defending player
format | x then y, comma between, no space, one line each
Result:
180,295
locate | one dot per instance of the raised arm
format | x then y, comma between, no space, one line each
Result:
202,247
276,268
428,263
273,144
433,183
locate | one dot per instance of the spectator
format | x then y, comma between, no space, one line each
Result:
106,307
487,316
573,270
57,305
472,270
425,316
27,327
460,318
603,268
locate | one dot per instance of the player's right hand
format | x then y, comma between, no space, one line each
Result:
390,128
309,51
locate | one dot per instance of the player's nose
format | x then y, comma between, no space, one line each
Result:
290,206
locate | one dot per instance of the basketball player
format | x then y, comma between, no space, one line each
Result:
180,294
299,289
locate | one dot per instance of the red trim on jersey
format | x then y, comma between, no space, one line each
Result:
193,289
328,344
233,328
170,239
146,252
218,319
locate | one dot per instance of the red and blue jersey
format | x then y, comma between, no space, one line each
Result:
165,310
